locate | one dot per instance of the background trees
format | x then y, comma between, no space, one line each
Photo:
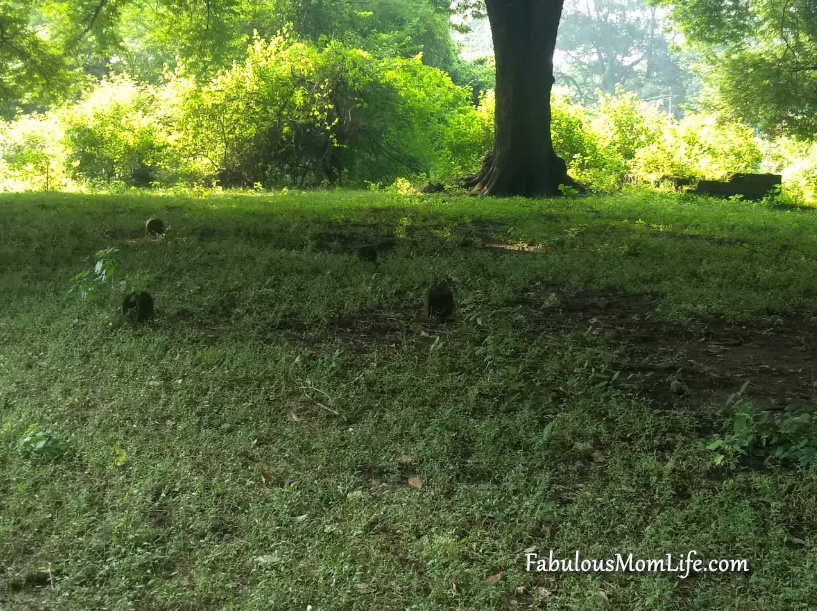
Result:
760,57
49,49
607,44
181,92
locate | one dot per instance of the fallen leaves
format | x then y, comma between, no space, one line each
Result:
493,579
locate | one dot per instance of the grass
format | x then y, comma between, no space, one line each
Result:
290,433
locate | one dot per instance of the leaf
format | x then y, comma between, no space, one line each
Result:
415,482
493,579
547,430
266,560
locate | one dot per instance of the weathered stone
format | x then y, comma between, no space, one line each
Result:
750,186
432,187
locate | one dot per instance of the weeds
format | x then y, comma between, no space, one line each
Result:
291,431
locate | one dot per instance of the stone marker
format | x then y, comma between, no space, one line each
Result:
750,186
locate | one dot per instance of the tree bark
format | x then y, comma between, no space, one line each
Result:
522,161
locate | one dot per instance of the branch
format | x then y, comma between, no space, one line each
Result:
91,22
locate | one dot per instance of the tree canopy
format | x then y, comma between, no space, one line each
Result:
607,44
760,57
49,47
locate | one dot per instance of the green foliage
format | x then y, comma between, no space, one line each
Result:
266,120
89,281
32,64
573,137
625,125
43,444
797,162
48,47
790,435
759,56
292,114
621,136
698,146
114,135
33,154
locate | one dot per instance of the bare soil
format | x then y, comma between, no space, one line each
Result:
712,358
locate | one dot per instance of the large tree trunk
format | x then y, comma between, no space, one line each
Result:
522,161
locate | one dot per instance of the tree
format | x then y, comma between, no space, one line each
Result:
612,43
522,161
761,58
31,65
45,45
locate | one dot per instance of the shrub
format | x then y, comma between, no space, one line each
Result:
771,436
625,126
113,134
32,154
797,162
295,115
698,146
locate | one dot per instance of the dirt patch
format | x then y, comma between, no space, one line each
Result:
691,237
346,237
364,331
713,358
125,234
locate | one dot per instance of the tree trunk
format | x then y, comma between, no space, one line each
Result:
522,161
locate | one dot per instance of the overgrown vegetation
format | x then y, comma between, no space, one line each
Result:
290,431
293,115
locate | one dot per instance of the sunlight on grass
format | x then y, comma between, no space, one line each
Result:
290,430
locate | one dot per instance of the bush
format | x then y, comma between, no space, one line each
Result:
797,162
32,154
575,141
771,436
625,126
699,147
295,115
114,134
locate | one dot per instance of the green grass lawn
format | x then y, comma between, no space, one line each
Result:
289,432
